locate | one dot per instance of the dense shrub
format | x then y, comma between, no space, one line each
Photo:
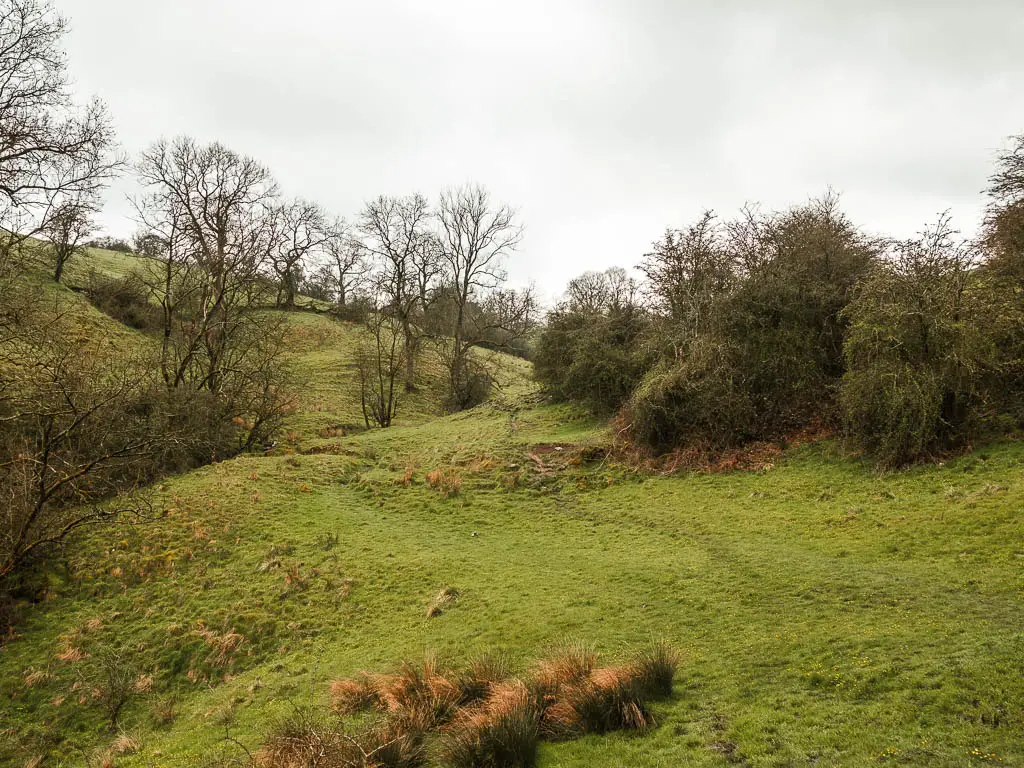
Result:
111,244
1003,238
83,433
783,322
919,350
595,359
86,418
126,299
699,398
900,412
747,334
470,385
355,310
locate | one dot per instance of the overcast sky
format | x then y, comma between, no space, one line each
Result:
602,122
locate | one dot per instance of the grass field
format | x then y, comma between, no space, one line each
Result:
827,615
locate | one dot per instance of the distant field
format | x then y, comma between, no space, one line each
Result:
827,615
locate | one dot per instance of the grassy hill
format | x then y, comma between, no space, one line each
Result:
826,614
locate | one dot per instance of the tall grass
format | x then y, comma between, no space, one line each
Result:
483,716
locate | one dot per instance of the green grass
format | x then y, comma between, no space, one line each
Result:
827,615
77,270
102,262
327,383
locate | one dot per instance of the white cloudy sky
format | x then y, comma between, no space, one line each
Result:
603,121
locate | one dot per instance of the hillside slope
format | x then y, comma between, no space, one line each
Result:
827,615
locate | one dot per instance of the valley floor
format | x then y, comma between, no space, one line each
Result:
827,615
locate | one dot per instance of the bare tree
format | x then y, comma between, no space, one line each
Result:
348,262
50,149
1004,217
67,227
595,293
304,233
1006,184
215,210
475,237
16,248
429,269
396,235
343,276
379,361
171,282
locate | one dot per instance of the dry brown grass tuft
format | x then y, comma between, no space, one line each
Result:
410,474
608,700
655,669
70,654
570,664
480,676
442,601
580,698
144,684
301,741
223,645
354,695
482,715
308,740
500,731
165,711
447,480
124,745
35,676
395,743
480,464
294,580
422,696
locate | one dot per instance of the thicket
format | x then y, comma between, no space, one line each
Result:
755,328
86,420
596,345
87,416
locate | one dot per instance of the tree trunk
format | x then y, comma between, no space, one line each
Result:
411,351
289,292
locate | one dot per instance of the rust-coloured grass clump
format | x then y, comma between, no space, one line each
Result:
479,715
446,480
